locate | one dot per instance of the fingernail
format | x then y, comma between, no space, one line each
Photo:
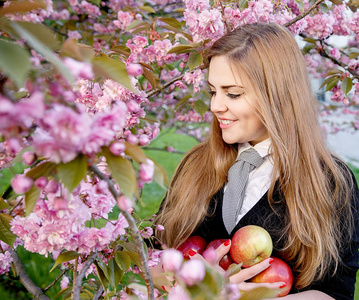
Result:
191,252
227,242
271,260
283,285
163,287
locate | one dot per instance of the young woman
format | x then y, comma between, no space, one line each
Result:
304,196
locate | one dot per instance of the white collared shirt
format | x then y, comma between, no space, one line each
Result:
259,179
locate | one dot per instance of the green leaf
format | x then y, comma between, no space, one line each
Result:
65,257
234,269
63,291
310,40
346,85
353,55
43,34
182,103
96,2
148,9
14,62
174,29
326,81
21,7
172,21
18,167
307,47
243,4
80,52
5,233
3,204
323,7
151,77
259,293
135,257
135,152
72,172
336,2
160,176
334,71
5,180
113,69
200,107
35,43
195,59
135,24
331,84
101,274
123,260
181,49
31,198
42,169
122,172
113,272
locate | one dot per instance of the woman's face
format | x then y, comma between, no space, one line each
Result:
232,103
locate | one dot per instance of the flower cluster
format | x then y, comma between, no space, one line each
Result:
58,222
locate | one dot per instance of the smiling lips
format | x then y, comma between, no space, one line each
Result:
225,123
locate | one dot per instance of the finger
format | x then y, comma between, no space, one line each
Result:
222,250
247,286
250,272
195,255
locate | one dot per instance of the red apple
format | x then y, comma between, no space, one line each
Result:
276,272
226,260
250,245
194,243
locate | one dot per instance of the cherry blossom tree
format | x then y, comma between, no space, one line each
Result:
85,85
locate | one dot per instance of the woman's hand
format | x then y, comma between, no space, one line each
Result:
245,274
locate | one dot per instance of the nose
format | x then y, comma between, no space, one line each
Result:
218,104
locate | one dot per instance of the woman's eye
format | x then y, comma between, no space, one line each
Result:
212,93
234,96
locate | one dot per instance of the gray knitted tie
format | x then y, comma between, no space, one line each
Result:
237,182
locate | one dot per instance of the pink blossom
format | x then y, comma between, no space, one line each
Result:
41,182
21,184
196,78
81,70
143,140
64,282
335,53
147,171
134,70
117,148
124,203
178,293
124,19
5,262
146,232
52,186
171,260
29,157
74,34
160,227
192,272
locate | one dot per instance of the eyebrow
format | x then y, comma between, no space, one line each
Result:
226,86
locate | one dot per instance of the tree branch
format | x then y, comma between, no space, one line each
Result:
57,279
77,283
304,14
31,287
164,86
163,149
98,293
135,232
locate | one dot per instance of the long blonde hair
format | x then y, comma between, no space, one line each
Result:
314,184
